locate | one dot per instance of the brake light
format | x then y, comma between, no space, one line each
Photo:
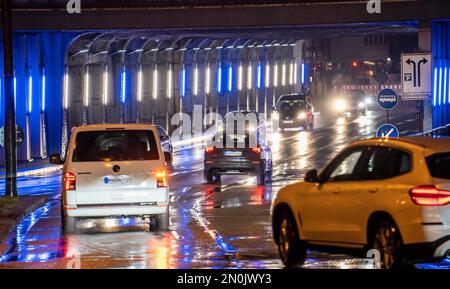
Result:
69,182
209,150
161,179
430,196
256,150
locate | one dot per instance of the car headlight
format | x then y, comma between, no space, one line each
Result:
368,101
340,105
301,115
361,105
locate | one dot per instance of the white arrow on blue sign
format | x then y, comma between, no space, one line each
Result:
388,131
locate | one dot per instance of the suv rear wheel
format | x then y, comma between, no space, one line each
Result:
387,240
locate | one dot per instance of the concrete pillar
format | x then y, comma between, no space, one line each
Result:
424,45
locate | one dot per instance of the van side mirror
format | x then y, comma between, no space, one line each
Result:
56,159
312,177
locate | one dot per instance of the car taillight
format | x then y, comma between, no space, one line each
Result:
161,179
69,182
430,196
256,150
209,150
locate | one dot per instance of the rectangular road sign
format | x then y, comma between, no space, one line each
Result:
416,76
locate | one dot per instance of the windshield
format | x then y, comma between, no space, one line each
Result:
439,165
292,104
115,145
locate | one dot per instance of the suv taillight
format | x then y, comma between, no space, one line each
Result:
430,196
209,150
69,182
161,179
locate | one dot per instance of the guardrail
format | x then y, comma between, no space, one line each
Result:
440,132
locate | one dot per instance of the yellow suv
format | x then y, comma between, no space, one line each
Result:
392,195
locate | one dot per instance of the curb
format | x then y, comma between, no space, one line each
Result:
18,218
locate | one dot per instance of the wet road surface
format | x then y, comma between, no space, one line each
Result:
212,226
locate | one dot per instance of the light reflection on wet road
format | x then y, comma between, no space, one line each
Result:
212,226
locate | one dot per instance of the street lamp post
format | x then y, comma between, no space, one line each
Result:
10,114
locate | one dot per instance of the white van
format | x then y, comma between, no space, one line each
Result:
114,170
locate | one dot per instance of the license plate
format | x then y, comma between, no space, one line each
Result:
232,154
288,121
111,180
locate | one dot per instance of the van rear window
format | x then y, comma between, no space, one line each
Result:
439,165
115,145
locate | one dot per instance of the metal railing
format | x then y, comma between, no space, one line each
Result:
440,132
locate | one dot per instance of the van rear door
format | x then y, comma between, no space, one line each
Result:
116,166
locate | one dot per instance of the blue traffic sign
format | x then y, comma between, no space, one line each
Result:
387,99
388,131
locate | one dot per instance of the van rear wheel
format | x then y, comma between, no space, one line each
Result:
68,224
162,221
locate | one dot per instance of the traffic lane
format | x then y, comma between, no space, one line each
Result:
226,225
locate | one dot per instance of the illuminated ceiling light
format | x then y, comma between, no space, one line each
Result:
303,73
208,48
268,45
196,48
295,72
292,44
30,94
275,75
230,77
105,86
155,81
154,49
283,74
169,82
169,49
66,90
435,87
83,51
43,91
291,73
122,51
276,44
267,76
208,80
259,76
240,76
440,85
240,46
139,88
86,88
196,80
251,46
219,79
139,50
230,47
445,86
219,47
183,82
249,76
123,87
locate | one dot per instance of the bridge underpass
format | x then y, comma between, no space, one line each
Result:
65,79
98,69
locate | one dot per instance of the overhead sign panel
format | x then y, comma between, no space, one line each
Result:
416,76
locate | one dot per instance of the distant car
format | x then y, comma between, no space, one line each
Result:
238,151
294,111
353,104
114,171
166,144
392,195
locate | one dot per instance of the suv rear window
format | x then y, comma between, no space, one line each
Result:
115,145
439,165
